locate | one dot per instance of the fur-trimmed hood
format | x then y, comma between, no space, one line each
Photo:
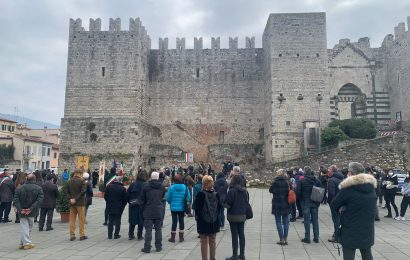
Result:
364,182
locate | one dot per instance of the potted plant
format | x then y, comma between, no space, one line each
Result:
62,205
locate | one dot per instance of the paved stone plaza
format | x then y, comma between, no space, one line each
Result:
391,239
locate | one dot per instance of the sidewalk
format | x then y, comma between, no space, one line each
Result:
392,238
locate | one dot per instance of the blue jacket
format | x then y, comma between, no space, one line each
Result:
175,197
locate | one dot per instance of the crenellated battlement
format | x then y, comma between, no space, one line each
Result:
114,25
215,43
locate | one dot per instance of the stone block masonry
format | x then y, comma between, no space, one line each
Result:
145,106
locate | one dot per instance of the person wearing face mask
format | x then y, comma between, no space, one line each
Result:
405,190
390,184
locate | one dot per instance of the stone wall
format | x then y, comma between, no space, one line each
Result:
384,152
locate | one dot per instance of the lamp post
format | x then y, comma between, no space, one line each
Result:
318,99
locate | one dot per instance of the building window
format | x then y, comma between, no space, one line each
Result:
47,164
3,127
221,137
197,72
287,123
103,71
48,151
55,155
243,73
42,165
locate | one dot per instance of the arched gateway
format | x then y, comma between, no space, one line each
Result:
351,102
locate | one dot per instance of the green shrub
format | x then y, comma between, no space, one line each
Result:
332,136
356,128
62,204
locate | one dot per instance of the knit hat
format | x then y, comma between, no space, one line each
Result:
86,176
154,176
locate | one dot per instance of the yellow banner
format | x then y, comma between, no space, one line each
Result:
82,163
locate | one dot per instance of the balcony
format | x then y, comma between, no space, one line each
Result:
27,156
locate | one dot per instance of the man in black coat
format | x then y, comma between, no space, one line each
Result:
310,208
152,195
95,176
50,191
335,178
6,196
116,199
221,187
355,202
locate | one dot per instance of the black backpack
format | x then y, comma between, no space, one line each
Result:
210,209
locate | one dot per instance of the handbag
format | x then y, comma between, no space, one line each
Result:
135,202
317,194
249,212
291,196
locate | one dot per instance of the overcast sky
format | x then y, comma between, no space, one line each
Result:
33,35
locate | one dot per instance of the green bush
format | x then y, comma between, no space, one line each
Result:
356,128
332,136
62,204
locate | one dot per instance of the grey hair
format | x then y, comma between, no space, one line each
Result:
31,177
307,170
356,168
236,169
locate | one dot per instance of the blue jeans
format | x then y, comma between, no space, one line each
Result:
310,215
221,217
282,224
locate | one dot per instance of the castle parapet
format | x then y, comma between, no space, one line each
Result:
95,25
198,43
163,44
250,42
233,43
215,43
399,31
115,25
180,44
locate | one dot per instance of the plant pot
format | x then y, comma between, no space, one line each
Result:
65,217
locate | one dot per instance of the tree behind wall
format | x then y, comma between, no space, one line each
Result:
356,128
6,153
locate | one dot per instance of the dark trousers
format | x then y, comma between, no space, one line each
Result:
293,210
132,229
299,206
349,254
6,208
335,219
114,221
177,216
43,213
157,224
404,205
237,231
389,197
221,217
105,214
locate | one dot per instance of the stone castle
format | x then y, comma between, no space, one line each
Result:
148,107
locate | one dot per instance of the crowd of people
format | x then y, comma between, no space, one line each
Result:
354,196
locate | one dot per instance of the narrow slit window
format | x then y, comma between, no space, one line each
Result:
221,137
103,71
197,72
243,73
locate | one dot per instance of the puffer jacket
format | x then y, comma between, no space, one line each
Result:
197,189
175,197
304,190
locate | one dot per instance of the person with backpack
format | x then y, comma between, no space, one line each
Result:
310,207
280,205
236,202
178,197
298,175
189,182
207,204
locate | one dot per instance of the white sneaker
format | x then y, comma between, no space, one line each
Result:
397,218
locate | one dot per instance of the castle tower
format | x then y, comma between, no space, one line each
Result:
107,76
297,103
